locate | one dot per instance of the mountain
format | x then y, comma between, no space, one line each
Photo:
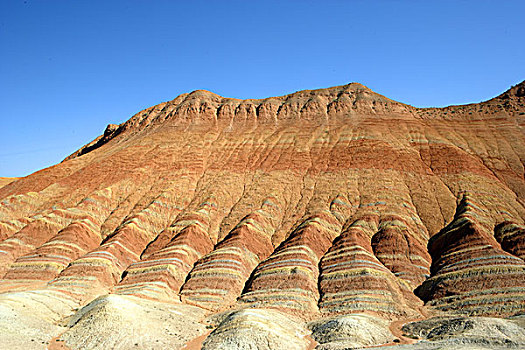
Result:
326,218
6,180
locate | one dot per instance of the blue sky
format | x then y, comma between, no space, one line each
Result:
68,68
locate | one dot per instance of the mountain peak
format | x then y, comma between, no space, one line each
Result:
352,101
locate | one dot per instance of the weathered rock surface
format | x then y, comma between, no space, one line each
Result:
251,219
354,280
26,321
125,322
161,272
512,238
218,278
492,330
288,278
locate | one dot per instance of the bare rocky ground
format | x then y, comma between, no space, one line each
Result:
124,322
465,333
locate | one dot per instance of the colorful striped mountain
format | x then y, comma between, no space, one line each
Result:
325,218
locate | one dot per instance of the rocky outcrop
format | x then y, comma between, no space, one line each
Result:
161,273
401,251
102,268
81,236
466,333
350,332
148,325
51,241
511,236
257,329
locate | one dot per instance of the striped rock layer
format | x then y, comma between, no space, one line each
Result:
317,204
78,238
400,250
102,267
218,278
353,279
471,274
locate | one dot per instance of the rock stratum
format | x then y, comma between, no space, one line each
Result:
330,219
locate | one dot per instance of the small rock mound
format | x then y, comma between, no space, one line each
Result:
257,329
126,322
352,331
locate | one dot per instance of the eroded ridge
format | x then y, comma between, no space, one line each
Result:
511,236
161,273
470,274
218,278
353,280
32,236
397,246
235,206
102,268
10,227
85,218
78,238
288,278
19,207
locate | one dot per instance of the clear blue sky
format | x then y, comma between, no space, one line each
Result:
68,68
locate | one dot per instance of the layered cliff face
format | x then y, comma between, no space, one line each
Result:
337,207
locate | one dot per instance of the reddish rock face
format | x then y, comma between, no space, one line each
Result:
7,180
324,202
471,274
400,250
